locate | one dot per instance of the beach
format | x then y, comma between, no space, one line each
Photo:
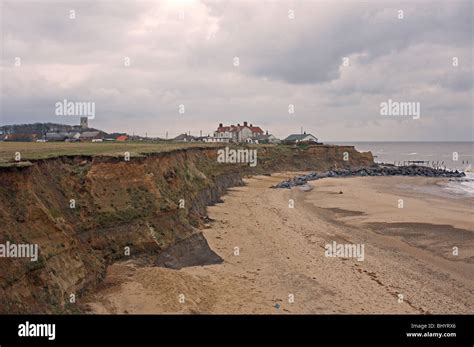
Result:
418,244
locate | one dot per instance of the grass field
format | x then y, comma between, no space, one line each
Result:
44,150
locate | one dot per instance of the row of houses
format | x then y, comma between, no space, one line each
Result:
89,136
93,136
245,133
46,132
240,133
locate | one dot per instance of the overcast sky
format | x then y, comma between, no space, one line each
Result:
289,52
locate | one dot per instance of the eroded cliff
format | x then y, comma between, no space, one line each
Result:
86,212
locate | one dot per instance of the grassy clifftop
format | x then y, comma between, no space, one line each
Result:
37,150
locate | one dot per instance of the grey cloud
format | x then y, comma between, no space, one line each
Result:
189,61
304,51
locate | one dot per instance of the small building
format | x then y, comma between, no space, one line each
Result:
21,137
90,135
213,139
55,136
73,136
267,138
185,138
295,138
121,138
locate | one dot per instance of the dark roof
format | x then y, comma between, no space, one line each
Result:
238,128
262,137
90,134
55,136
184,137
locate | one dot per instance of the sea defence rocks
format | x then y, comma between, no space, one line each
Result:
412,170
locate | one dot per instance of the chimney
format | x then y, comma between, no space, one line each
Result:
266,132
251,125
238,124
245,124
220,125
304,133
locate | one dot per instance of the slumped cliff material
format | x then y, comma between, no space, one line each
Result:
147,207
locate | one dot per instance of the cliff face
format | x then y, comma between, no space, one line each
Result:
138,208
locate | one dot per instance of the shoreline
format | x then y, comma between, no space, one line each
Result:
281,253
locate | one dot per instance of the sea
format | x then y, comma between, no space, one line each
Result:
450,155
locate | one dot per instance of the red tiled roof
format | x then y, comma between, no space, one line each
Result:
122,138
222,129
256,130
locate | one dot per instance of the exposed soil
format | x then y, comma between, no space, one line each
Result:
122,210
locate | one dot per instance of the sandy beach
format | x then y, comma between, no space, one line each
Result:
275,262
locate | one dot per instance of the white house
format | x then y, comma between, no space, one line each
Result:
295,138
215,139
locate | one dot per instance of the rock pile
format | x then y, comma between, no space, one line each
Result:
412,170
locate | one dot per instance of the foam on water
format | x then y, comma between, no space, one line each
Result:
462,186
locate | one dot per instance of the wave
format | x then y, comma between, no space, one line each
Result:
463,186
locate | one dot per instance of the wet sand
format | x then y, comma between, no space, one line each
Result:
281,267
